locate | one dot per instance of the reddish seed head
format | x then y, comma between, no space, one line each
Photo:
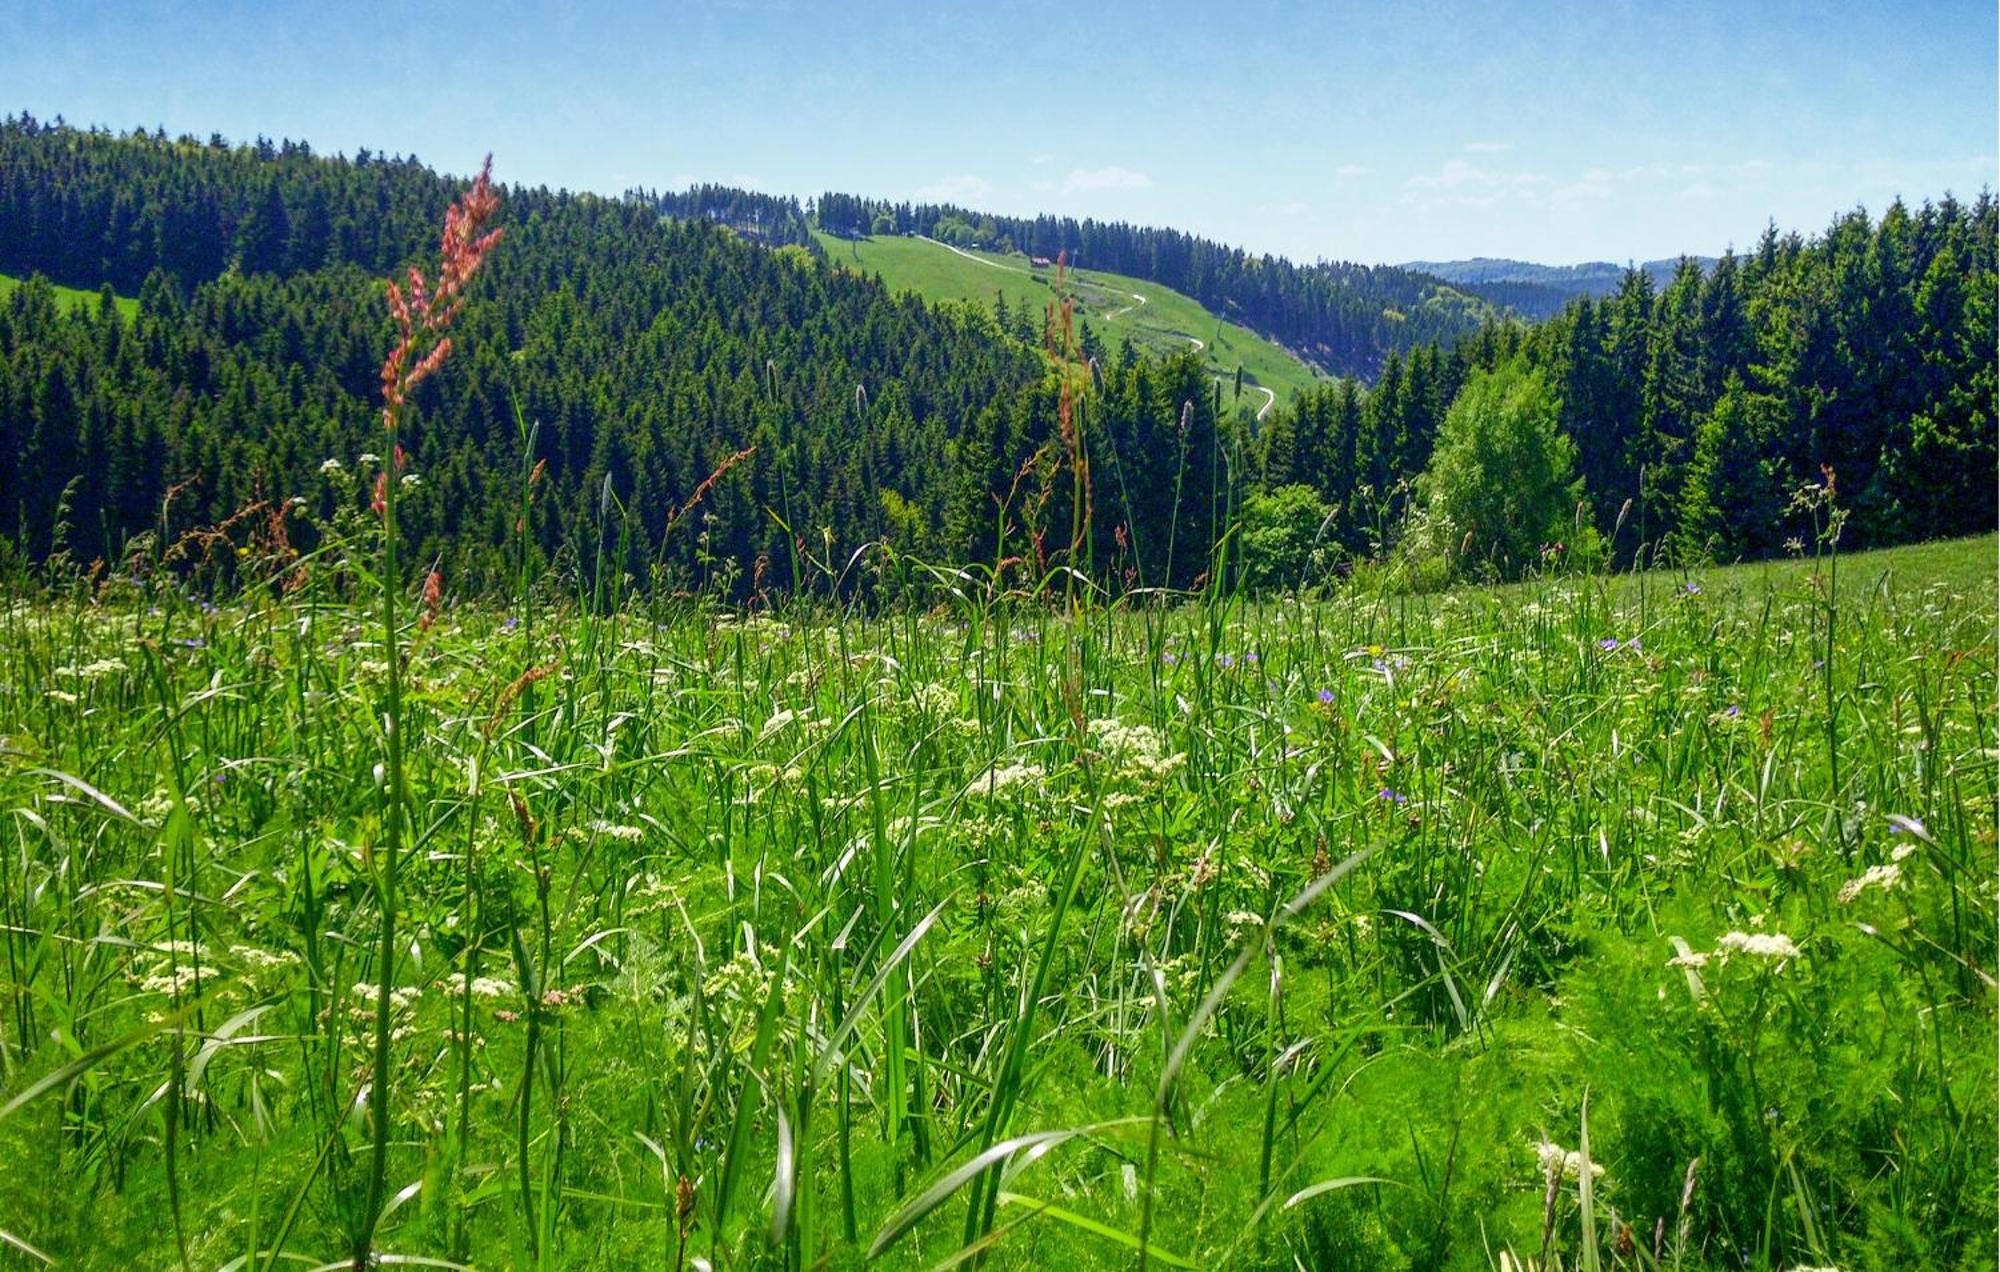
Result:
430,363
421,313
433,598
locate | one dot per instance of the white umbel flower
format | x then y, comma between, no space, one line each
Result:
1883,877
1757,944
1000,777
1554,1158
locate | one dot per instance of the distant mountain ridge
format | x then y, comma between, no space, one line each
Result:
1538,291
1499,269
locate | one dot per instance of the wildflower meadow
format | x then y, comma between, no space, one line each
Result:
1609,919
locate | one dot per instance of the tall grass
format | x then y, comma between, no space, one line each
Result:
747,935
1284,931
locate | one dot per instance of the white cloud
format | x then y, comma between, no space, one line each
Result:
1455,173
1754,165
1592,185
1658,171
1488,147
1458,174
1294,208
954,190
1699,190
1459,183
1111,178
1039,160
1346,170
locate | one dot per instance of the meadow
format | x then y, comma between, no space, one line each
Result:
71,298
1598,921
1165,322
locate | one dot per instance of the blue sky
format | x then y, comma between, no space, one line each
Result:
1380,132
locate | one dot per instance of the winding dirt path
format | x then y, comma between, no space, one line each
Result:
1137,300
1270,398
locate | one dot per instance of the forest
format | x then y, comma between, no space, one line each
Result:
627,356
1865,351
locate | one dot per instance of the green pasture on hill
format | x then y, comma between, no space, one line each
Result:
70,297
1167,321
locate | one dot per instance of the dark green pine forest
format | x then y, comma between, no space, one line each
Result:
623,350
1867,350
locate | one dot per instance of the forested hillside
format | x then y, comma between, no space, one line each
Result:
1343,317
623,357
1867,350
764,218
648,352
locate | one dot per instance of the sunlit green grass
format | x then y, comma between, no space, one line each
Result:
1166,323
804,909
70,297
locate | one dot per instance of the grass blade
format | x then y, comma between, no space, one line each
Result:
938,1193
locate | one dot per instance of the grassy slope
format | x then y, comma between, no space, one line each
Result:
1962,565
1166,322
71,297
